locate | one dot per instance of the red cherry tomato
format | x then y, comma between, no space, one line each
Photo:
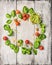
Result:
24,18
41,48
27,41
27,15
5,38
37,33
24,15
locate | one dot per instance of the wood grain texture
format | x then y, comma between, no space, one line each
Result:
32,63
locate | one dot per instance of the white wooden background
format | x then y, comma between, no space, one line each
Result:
41,7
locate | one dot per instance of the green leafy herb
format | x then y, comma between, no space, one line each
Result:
20,16
13,13
42,36
35,19
8,15
7,42
35,51
24,50
31,11
6,27
10,32
36,44
42,25
28,51
12,46
8,21
25,9
38,39
16,49
42,30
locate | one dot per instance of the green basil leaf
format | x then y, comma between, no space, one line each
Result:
8,15
35,51
10,32
36,44
6,27
16,50
13,13
8,21
20,16
42,36
7,42
12,46
31,11
25,9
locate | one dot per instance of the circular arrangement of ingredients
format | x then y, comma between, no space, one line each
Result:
35,18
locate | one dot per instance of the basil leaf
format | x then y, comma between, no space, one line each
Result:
8,15
8,21
7,42
6,27
25,9
13,13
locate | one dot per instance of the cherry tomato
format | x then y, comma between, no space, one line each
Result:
27,15
16,22
17,11
37,33
24,15
5,38
27,41
24,18
41,48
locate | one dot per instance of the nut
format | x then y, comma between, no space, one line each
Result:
18,44
31,44
37,29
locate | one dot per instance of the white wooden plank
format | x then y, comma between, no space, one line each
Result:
6,53
44,9
26,31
